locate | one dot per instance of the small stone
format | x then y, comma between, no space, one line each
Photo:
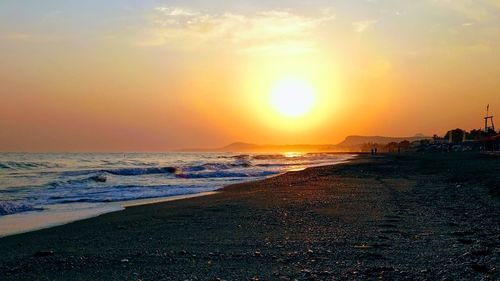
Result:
480,268
306,271
465,241
43,253
380,269
363,246
466,255
484,252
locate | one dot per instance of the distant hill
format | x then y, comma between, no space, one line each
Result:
351,143
248,147
238,146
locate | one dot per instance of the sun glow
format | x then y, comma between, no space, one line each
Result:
292,154
292,97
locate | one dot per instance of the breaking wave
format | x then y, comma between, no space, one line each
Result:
224,174
12,207
26,165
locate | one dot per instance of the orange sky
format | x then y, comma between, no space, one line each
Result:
160,75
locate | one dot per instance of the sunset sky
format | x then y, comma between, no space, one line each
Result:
158,75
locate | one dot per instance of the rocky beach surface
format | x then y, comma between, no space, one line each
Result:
391,217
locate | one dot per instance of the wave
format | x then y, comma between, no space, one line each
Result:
128,192
288,164
240,156
268,156
205,171
162,170
141,171
219,166
14,165
12,207
124,171
311,155
99,178
225,174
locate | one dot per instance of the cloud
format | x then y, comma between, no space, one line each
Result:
475,10
176,11
362,26
263,32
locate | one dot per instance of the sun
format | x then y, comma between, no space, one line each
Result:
292,97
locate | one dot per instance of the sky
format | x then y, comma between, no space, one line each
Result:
160,75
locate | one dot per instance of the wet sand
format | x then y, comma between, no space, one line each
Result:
61,214
394,217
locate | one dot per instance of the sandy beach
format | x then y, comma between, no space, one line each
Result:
394,217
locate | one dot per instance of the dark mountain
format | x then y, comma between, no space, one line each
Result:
352,141
238,146
350,144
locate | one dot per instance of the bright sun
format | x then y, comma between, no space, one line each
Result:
292,97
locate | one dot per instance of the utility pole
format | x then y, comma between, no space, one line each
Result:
489,118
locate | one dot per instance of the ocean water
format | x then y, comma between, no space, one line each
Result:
38,190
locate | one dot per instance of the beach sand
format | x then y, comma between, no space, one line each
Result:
394,217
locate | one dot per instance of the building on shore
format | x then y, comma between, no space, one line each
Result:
485,139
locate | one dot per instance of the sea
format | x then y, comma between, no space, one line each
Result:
39,190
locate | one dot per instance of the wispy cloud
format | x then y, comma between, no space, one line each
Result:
263,32
476,10
176,11
362,26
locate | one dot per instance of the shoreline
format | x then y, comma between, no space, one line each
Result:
395,217
62,214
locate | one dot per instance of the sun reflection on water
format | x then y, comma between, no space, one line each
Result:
292,154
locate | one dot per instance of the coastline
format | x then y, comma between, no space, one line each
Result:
32,221
392,217
62,214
